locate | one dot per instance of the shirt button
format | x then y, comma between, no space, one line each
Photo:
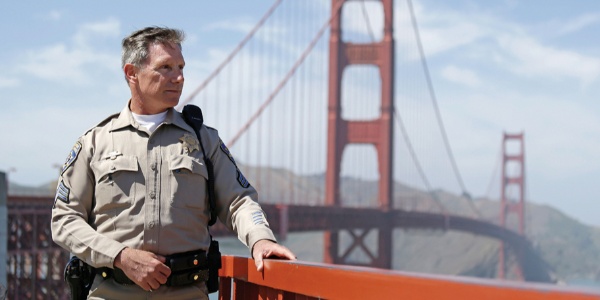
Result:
113,168
153,167
151,224
152,195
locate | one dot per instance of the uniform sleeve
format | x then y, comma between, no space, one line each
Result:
237,205
72,209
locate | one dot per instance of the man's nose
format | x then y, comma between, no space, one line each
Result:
178,77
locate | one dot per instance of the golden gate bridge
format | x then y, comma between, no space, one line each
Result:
339,130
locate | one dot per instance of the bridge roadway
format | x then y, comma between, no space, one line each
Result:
299,218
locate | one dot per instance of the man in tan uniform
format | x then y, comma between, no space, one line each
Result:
133,190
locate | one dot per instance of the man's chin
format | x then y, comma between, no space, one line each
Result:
172,102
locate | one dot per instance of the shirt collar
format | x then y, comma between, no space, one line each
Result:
126,119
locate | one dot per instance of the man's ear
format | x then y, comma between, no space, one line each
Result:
130,72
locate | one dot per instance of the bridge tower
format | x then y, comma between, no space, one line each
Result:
376,132
513,159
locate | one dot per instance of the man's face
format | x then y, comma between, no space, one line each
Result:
160,79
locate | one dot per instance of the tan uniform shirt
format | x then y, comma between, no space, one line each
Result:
123,186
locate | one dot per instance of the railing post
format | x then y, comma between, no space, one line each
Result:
224,288
3,229
283,221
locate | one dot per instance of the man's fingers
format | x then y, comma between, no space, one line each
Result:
281,252
161,277
265,249
286,253
161,258
153,284
258,261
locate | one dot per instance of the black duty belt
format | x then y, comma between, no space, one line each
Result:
186,268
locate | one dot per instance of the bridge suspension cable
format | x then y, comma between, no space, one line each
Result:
415,160
289,75
367,21
437,110
231,55
400,123
494,173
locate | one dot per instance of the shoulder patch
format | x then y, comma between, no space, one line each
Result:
242,180
71,157
226,151
240,177
62,193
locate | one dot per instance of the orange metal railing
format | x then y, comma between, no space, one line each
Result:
300,280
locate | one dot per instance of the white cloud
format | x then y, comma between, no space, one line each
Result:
361,19
528,57
53,15
461,75
9,82
559,134
60,64
90,31
579,23
71,64
539,95
243,26
506,42
440,31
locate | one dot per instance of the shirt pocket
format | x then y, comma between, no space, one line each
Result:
115,182
188,179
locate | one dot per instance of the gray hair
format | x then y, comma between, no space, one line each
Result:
135,46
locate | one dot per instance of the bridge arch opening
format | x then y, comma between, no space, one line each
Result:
360,176
362,22
361,93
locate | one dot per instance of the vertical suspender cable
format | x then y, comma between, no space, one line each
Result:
292,89
433,96
289,74
415,160
233,53
437,110
301,140
494,173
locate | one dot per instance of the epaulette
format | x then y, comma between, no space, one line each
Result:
103,122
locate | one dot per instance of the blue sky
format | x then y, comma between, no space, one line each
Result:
530,66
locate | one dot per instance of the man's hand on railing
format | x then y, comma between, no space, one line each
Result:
265,249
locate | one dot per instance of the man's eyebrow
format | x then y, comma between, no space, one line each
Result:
161,61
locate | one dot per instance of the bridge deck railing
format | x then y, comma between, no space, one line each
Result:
300,280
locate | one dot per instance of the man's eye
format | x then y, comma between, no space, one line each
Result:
166,67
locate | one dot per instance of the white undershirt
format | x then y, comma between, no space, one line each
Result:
150,122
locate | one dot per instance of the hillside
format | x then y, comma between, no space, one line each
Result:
571,249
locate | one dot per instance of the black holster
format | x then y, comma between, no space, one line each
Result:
214,264
80,277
